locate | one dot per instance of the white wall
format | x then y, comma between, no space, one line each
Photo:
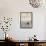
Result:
12,8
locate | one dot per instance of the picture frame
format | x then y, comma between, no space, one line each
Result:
26,20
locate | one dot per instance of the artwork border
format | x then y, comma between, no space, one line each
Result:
31,21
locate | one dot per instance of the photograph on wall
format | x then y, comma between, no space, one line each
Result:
26,19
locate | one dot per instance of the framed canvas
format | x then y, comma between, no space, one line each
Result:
26,19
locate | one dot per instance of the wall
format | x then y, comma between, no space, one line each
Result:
12,8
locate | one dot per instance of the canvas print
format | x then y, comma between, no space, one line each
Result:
26,19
